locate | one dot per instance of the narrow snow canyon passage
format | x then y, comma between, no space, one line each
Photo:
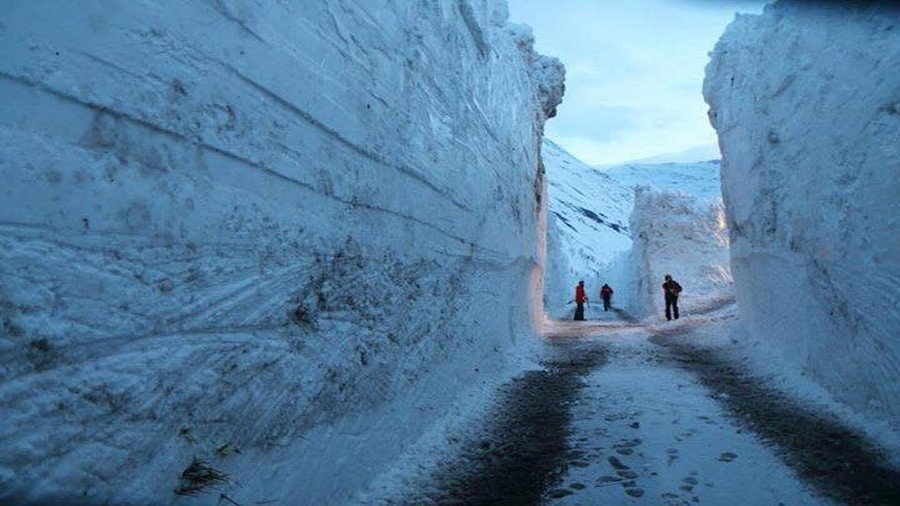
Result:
627,413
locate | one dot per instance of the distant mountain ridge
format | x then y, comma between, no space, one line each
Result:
705,153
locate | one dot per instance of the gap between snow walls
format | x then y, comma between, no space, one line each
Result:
275,244
628,226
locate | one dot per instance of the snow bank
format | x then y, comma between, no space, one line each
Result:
806,102
683,235
280,239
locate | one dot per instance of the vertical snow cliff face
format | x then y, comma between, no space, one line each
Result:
806,102
683,235
279,239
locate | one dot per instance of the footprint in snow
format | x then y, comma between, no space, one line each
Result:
559,493
671,456
616,463
629,443
727,457
634,492
627,474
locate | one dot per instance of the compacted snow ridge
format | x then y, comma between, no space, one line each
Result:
806,102
252,253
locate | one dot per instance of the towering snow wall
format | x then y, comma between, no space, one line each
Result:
276,238
806,102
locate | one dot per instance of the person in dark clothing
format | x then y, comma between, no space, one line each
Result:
606,294
580,299
671,289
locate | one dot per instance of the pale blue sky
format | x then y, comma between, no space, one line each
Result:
634,73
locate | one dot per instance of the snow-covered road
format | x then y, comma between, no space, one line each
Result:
635,413
645,430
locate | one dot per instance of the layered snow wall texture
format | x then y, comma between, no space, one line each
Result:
296,231
806,102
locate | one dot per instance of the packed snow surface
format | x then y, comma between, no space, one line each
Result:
648,433
273,240
806,102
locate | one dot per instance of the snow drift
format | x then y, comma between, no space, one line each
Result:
806,102
277,240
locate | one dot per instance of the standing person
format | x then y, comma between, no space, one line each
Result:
671,289
606,292
580,299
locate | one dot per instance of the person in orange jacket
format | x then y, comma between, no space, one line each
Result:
580,299
606,294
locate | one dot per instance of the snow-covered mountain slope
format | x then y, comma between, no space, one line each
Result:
588,235
280,238
688,156
806,102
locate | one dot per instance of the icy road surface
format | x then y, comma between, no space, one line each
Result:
658,414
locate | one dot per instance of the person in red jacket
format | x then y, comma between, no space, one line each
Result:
671,289
606,292
580,299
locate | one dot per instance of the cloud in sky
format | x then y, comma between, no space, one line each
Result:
634,72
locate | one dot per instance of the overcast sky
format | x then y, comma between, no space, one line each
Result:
634,73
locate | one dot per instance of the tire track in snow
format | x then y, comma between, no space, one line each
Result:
527,445
833,458
522,450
